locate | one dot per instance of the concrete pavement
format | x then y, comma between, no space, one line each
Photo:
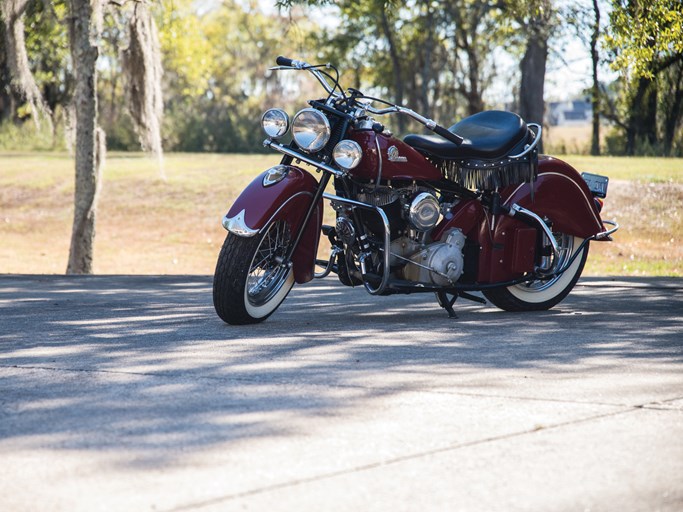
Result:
128,393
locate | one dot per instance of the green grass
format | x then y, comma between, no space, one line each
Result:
642,169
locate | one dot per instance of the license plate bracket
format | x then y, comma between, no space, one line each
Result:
596,183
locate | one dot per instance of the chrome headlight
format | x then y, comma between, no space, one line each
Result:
311,130
424,212
347,154
275,123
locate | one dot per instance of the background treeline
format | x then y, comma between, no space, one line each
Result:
439,57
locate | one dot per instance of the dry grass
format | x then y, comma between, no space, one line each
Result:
568,139
149,226
144,225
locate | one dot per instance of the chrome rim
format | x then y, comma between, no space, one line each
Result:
266,272
566,248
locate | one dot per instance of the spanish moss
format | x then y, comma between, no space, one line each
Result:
17,59
142,67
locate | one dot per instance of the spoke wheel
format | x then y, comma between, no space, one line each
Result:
266,274
543,294
250,280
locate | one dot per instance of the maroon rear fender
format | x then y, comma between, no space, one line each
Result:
288,199
561,195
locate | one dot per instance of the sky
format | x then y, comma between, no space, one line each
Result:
568,71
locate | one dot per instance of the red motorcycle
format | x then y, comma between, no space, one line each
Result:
473,208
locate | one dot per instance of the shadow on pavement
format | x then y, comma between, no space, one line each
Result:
143,363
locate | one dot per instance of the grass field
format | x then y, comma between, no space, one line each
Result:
147,225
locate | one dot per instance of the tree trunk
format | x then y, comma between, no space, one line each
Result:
531,105
595,92
427,70
17,58
396,68
673,114
89,139
641,120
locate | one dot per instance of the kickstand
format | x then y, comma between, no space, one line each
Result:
447,303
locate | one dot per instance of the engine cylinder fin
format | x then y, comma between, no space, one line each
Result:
382,196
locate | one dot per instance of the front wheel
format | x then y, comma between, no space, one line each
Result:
544,294
250,281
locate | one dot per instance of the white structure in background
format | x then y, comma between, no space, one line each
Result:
572,112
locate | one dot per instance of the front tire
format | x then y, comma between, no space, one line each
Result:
544,294
250,282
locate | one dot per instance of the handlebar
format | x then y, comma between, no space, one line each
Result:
291,63
284,61
394,109
429,123
448,135
287,63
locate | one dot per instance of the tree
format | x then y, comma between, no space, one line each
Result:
537,19
84,19
434,56
595,89
648,59
586,22
90,145
22,80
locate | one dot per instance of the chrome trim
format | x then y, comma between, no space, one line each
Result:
275,175
574,183
387,242
287,122
514,209
330,263
531,147
237,226
605,234
269,143
412,211
355,145
301,65
327,132
395,109
393,156
379,169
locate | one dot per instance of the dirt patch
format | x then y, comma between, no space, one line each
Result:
650,240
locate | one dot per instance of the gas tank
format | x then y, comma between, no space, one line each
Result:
387,158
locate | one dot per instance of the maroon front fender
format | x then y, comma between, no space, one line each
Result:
288,199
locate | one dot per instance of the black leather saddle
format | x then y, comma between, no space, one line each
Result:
489,135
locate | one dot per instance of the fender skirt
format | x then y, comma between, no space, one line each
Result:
288,199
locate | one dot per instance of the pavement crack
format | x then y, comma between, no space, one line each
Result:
394,461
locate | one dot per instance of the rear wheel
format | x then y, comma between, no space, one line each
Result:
250,281
544,294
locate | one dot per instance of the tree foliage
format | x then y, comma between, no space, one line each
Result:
440,57
646,38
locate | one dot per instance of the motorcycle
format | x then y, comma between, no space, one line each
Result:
473,208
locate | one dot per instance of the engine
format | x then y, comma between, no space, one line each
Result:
439,263
413,212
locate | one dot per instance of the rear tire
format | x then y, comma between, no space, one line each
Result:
250,283
541,295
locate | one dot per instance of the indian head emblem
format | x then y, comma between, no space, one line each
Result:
393,155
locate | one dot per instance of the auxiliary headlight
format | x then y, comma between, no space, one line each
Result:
275,123
347,154
311,130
